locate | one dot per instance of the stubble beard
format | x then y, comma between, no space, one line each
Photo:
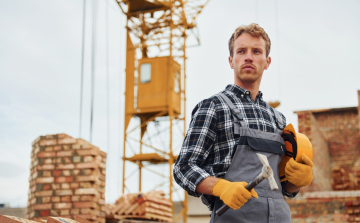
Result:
248,77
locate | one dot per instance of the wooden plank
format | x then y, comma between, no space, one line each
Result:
148,216
150,210
157,200
137,210
12,219
157,217
158,206
152,205
120,217
60,220
131,208
81,220
123,209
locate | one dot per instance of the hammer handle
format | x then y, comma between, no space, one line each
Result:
248,187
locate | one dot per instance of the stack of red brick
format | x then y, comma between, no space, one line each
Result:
344,178
151,206
12,219
67,178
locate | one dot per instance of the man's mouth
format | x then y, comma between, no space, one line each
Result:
248,67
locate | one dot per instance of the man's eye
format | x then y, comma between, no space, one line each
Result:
240,51
256,51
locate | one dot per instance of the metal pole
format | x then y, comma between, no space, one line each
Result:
124,147
185,205
93,53
82,67
171,109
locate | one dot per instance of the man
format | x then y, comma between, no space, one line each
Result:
218,156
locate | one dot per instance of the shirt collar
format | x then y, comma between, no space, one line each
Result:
241,92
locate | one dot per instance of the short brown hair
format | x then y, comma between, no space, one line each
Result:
254,30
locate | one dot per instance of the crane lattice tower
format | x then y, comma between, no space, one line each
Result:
155,92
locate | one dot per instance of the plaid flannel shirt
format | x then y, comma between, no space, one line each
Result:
209,144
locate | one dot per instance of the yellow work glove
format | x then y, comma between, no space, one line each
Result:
233,194
299,174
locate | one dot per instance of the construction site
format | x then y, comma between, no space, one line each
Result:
70,175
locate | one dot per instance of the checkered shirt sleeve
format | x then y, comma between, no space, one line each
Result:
196,147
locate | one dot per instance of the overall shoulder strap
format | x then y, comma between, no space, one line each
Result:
279,121
234,110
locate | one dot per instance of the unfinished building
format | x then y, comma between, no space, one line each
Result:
334,194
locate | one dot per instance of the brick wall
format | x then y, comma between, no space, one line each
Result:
335,136
331,206
321,171
67,179
341,130
304,123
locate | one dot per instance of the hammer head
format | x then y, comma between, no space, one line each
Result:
267,171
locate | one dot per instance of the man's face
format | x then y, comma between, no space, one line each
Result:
249,58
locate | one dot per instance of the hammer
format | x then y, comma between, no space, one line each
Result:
266,173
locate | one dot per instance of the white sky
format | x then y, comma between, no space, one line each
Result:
315,64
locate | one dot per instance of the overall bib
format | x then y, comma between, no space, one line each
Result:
270,206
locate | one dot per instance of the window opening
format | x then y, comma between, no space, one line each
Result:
145,75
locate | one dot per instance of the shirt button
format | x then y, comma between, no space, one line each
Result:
242,95
247,92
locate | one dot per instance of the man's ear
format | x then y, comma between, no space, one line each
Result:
268,62
231,63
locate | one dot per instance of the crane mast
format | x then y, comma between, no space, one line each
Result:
155,91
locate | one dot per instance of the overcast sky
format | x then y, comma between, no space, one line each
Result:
315,64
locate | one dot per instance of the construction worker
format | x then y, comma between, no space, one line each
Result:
218,155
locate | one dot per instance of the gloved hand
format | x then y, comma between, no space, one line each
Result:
299,174
233,194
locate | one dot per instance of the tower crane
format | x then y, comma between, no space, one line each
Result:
155,91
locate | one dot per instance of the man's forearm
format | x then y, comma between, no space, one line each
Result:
291,188
205,186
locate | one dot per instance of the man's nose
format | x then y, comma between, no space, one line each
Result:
248,57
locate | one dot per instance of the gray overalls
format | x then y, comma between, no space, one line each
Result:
270,206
